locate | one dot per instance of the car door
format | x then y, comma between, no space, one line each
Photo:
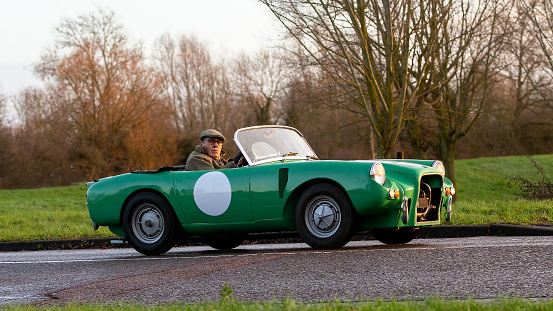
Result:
215,196
268,190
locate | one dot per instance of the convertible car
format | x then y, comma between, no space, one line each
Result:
281,185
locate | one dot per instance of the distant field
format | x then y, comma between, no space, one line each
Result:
60,213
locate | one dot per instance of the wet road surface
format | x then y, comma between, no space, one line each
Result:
480,268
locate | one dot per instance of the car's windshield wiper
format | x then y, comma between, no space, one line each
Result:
288,154
314,157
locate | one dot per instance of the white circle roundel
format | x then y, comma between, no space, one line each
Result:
212,193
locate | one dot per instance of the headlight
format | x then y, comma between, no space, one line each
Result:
378,173
439,166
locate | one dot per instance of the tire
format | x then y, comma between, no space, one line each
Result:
324,217
224,241
149,224
395,235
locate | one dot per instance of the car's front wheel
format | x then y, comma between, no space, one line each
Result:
149,224
395,235
324,217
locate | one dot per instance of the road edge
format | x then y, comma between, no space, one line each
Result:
447,231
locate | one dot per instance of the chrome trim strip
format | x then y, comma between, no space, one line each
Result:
405,209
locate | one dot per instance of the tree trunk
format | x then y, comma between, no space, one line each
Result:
418,143
447,155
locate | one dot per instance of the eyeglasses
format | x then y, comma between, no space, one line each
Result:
213,142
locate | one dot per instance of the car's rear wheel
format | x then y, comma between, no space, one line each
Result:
324,217
224,241
395,235
149,224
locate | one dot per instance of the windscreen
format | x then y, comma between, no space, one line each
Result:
265,144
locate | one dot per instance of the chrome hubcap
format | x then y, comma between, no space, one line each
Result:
322,216
148,223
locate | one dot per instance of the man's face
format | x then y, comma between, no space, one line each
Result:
212,146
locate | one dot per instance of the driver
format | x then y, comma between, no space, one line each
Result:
209,154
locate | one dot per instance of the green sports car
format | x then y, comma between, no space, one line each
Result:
281,186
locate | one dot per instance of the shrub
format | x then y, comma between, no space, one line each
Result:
541,190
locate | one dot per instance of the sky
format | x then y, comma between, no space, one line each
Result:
225,26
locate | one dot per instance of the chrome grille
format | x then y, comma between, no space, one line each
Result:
429,200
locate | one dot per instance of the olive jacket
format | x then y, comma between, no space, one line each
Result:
198,160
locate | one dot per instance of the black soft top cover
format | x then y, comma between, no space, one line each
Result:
162,169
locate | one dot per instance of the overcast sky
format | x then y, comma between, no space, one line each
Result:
226,26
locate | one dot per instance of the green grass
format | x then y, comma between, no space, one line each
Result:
291,305
45,214
506,211
483,198
483,195
486,178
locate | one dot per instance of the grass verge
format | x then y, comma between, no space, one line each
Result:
483,198
507,211
46,214
290,305
486,178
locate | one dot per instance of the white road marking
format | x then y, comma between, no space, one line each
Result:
426,244
139,258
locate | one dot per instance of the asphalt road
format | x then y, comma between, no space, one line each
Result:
478,267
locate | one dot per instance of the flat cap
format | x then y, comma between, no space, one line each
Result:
211,133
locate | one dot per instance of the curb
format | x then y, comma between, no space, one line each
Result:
484,230
446,231
55,244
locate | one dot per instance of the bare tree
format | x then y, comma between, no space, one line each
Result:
311,105
365,46
244,113
3,107
522,65
265,77
103,86
5,141
41,146
198,89
518,105
458,74
540,14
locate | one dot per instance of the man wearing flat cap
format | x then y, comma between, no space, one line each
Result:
209,154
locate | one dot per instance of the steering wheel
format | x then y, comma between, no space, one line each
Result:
239,160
